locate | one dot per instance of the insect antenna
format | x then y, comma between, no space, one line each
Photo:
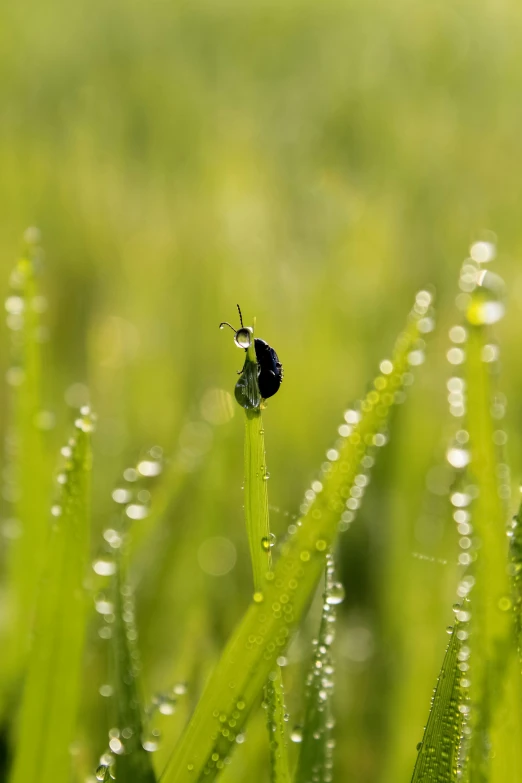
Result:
225,323
240,316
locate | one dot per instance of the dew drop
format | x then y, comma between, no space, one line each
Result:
482,252
243,337
268,542
151,741
149,467
120,495
296,734
335,594
458,458
136,511
104,566
102,773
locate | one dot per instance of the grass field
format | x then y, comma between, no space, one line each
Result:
319,163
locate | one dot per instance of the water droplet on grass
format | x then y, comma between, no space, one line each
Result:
335,594
483,252
151,741
136,511
149,467
243,337
104,566
296,734
268,542
458,458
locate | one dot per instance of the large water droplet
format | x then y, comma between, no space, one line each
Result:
487,302
296,734
335,594
151,741
102,773
243,337
268,542
148,467
104,566
483,252
457,457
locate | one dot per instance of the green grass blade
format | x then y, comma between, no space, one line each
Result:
31,476
260,541
440,751
266,628
316,750
515,568
256,498
256,494
132,762
276,723
491,622
52,688
127,757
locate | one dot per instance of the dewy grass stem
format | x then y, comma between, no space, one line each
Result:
255,489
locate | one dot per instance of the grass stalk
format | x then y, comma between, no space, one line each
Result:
260,541
47,722
276,723
255,486
440,750
316,749
31,479
131,761
491,622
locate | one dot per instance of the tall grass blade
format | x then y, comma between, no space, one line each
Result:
316,750
132,762
128,756
439,756
515,568
267,626
491,622
276,723
52,688
256,494
31,478
261,541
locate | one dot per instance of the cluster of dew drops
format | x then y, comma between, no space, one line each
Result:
134,500
422,309
163,703
133,503
320,680
453,727
481,301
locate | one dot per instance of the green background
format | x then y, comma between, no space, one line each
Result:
317,163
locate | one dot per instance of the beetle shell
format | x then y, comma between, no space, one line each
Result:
270,369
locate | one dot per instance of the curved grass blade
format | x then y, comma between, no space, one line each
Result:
316,749
31,480
52,689
275,703
440,755
268,624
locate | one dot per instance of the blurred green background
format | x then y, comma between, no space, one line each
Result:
317,163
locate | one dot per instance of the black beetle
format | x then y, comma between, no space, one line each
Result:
269,368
